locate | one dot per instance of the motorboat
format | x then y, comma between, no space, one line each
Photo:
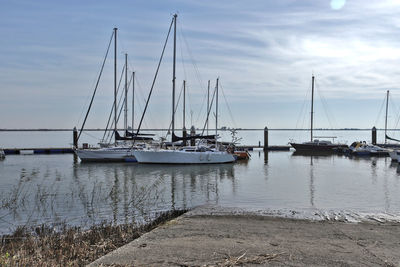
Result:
241,154
2,154
365,149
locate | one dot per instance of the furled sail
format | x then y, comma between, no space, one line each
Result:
189,137
127,133
131,138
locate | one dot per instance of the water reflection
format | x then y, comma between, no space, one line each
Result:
312,187
313,153
56,189
265,157
395,165
374,174
117,193
386,193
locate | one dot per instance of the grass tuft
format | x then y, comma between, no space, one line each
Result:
43,246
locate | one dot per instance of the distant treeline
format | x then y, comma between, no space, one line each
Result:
197,129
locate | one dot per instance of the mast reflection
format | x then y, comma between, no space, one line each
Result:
312,187
144,188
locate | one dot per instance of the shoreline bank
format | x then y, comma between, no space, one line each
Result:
72,246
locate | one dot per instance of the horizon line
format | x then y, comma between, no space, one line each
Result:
162,129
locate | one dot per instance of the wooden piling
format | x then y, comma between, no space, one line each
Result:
184,135
373,141
75,137
265,138
192,133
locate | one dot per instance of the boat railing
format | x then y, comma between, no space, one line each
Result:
326,137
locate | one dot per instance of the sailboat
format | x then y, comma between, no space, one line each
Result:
393,153
200,154
116,152
315,145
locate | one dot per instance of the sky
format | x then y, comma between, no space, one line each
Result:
263,51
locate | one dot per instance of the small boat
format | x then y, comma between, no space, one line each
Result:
364,149
2,154
241,155
316,145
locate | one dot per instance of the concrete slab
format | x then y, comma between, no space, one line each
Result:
201,239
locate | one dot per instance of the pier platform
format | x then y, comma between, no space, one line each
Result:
270,148
27,151
54,150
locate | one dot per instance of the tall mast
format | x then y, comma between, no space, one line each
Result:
312,106
126,95
216,114
208,102
184,102
133,100
387,106
115,84
173,81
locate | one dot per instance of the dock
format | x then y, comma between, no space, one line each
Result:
270,148
63,150
28,151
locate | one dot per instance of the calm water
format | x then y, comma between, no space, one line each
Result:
59,189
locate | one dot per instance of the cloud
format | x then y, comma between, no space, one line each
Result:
264,52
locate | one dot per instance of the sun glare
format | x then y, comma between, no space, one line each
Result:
337,4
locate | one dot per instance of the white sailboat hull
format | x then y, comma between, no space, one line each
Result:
106,155
182,157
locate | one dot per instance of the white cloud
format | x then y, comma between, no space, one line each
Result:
264,52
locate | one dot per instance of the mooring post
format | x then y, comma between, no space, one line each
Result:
75,137
265,138
184,135
373,135
192,133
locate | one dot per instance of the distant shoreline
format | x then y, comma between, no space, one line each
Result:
164,130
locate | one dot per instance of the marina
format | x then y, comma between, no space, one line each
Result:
200,134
